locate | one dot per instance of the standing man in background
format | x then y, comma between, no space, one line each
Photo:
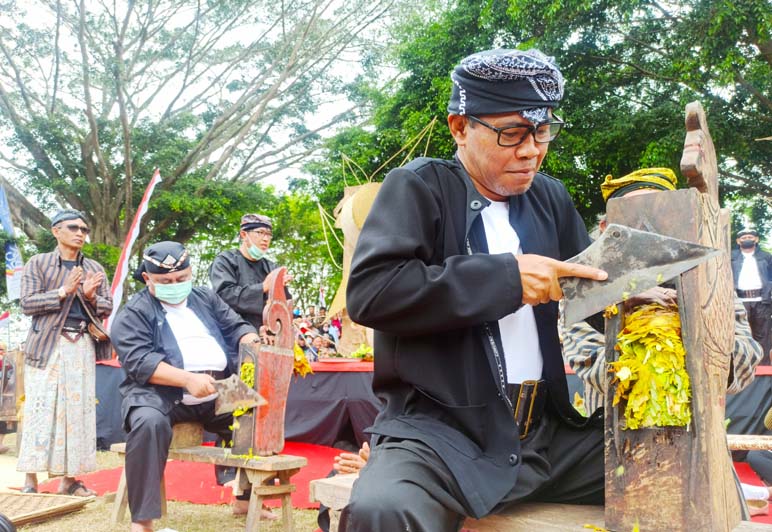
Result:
752,268
237,275
61,290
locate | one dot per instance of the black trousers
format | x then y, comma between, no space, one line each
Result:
761,463
760,320
406,486
147,448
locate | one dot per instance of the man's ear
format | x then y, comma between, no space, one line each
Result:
458,128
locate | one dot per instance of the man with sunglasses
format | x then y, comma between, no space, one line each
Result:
62,291
237,275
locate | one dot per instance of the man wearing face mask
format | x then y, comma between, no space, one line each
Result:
173,340
752,269
237,275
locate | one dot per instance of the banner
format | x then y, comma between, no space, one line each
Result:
121,271
322,303
13,260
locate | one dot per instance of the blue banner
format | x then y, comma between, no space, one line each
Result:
13,260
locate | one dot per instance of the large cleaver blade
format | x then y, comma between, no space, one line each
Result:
635,261
233,393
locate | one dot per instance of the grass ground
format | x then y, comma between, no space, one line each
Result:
182,516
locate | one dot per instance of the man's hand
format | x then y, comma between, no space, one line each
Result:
90,285
658,295
72,281
350,462
199,384
539,276
249,338
265,336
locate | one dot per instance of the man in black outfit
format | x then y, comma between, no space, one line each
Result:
237,275
173,340
457,271
752,270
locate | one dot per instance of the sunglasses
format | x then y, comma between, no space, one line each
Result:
74,228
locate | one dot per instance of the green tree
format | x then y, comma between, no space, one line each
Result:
630,67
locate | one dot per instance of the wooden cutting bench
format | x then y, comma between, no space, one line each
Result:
268,477
334,492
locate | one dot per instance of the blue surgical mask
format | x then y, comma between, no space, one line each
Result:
174,293
255,252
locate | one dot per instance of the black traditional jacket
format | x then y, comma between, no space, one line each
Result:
239,282
143,339
422,277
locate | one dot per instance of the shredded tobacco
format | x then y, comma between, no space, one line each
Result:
650,374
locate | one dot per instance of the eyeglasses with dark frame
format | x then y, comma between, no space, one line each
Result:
74,228
261,233
511,136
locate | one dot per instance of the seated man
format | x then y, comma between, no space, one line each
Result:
173,341
584,347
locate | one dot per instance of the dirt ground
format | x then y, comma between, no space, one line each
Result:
182,516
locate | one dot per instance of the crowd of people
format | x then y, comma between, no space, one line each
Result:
316,334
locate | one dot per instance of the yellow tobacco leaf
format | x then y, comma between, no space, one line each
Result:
650,373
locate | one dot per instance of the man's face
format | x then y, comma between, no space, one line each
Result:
71,233
152,279
497,172
260,237
746,239
318,342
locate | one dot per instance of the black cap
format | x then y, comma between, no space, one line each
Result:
163,257
747,231
67,214
505,81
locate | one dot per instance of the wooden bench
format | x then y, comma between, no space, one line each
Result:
268,477
334,492
749,442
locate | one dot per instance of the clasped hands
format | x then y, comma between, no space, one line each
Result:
91,282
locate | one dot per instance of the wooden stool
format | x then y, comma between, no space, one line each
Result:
268,477
334,492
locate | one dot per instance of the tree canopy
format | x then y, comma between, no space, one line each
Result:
630,67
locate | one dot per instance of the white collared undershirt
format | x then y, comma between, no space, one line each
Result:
519,335
200,350
749,278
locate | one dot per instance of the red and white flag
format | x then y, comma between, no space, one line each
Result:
121,271
5,319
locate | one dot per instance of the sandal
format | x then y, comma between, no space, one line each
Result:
78,485
29,489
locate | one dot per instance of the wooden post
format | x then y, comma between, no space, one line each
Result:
261,432
680,478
